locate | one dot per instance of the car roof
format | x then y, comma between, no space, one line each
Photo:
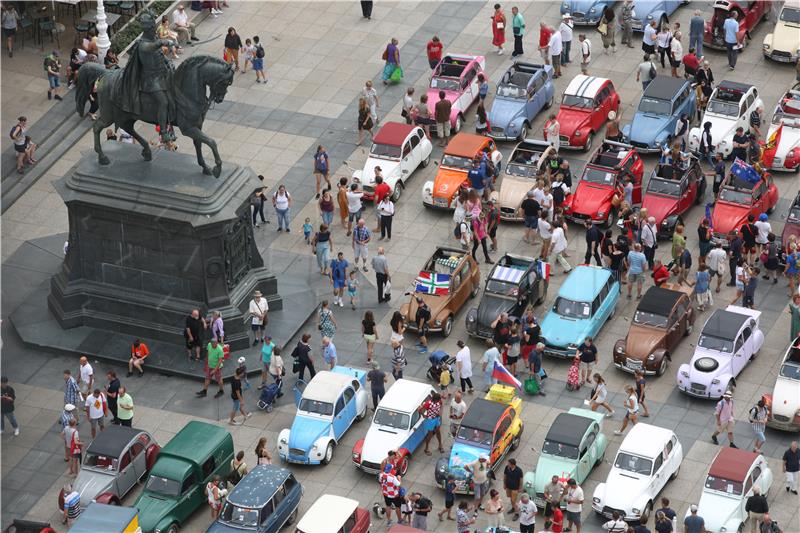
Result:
326,386
106,518
327,513
581,277
465,144
196,439
483,414
113,440
664,87
532,145
257,487
585,86
734,86
658,301
646,440
393,133
568,429
724,324
405,395
732,463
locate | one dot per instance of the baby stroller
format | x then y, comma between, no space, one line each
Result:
268,395
437,359
574,375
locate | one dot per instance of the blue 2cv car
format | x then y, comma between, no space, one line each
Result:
658,10
523,91
656,118
585,12
326,408
585,301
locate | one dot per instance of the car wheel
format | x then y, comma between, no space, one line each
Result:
609,220
674,475
425,162
549,103
459,123
404,466
475,290
292,517
589,142
448,326
731,386
646,513
663,367
398,191
363,414
523,132
600,459
173,528
515,443
328,454
770,210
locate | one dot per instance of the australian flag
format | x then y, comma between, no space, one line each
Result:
744,172
432,283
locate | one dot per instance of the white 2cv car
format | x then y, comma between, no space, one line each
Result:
326,408
730,481
728,108
647,458
784,401
729,340
397,149
397,425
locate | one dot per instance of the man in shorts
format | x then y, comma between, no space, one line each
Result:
390,488
193,333
96,410
637,264
213,368
723,414
512,482
574,499
588,354
361,237
354,206
715,260
457,409
338,278
530,212
266,359
431,410
480,477
421,318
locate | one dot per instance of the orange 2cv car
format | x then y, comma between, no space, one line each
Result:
456,164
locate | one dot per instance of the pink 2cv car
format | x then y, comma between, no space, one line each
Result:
457,76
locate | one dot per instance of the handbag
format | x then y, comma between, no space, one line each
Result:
385,55
387,287
397,75
500,26
295,366
764,258
602,28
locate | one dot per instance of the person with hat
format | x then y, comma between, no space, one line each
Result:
723,414
479,470
182,26
258,316
67,415
694,523
566,36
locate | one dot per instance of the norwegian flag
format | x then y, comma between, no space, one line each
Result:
432,283
543,269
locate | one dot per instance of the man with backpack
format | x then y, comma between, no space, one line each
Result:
758,420
52,66
258,61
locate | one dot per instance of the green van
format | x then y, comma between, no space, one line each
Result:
176,485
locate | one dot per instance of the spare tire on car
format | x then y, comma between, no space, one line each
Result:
706,364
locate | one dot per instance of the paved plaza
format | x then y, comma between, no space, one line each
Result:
318,56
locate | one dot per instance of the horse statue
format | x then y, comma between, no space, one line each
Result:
148,89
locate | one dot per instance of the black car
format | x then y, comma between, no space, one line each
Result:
513,284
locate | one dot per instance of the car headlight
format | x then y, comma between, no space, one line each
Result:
565,6
651,357
578,134
470,318
635,511
437,322
442,468
284,440
620,349
723,529
684,373
715,381
593,10
649,17
596,500
314,447
601,214
766,46
572,346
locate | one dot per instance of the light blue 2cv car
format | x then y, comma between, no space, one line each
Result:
523,91
585,12
585,301
658,10
656,117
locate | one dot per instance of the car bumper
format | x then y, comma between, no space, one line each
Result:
632,365
299,459
497,136
477,331
644,148
368,467
699,393
438,203
779,165
781,57
565,144
579,218
607,512
783,425
431,329
561,353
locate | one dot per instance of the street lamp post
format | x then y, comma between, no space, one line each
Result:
103,42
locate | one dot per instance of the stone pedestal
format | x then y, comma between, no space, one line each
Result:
150,241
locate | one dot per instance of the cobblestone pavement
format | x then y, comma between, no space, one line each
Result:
318,57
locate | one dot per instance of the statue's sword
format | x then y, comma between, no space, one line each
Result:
214,38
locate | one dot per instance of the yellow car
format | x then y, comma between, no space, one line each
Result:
491,427
783,44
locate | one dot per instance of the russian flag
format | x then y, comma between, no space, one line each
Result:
501,373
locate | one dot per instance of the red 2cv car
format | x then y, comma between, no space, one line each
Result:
748,14
671,191
738,199
602,179
584,110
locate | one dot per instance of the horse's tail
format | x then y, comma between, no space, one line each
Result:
88,74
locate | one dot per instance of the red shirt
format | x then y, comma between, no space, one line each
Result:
434,50
544,37
660,275
558,518
141,352
381,192
691,61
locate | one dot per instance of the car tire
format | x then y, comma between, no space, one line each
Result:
609,223
662,368
363,414
648,509
770,210
404,465
447,328
475,290
425,162
515,442
523,132
688,330
173,528
398,191
292,517
328,454
589,142
459,123
600,459
674,475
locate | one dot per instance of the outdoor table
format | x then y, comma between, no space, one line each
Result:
91,17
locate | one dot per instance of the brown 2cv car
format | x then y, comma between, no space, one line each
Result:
663,317
449,278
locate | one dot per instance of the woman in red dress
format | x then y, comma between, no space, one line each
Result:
498,29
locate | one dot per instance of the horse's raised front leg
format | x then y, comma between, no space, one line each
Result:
147,152
99,125
199,138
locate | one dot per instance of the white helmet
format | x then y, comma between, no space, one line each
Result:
242,360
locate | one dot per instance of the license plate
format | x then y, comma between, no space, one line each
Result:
441,202
539,502
698,391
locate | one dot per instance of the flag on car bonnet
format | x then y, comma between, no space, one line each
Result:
744,172
432,283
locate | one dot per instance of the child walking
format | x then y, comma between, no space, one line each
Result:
249,54
242,361
352,288
445,378
307,228
258,61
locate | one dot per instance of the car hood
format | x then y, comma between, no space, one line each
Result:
548,466
513,191
582,6
785,397
491,307
571,119
463,454
790,138
219,527
433,97
152,510
388,168
726,217
379,440
717,510
645,127
589,198
622,487
504,110
90,483
659,206
562,331
642,341
786,37
447,182
791,228
722,128
306,430
435,303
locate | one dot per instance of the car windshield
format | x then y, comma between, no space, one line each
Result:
571,100
484,438
445,84
649,319
790,371
633,463
100,462
735,197
572,309
456,161
715,343
511,91
522,170
316,407
720,484
385,150
164,486
239,516
666,187
597,175
503,288
392,419
655,106
790,15
560,450
720,107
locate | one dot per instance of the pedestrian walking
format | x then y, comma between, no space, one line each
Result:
380,264
646,71
641,385
302,356
7,399
373,102
696,31
518,28
355,207
574,499
649,38
479,236
702,288
326,207
593,239
554,49
399,361
321,244
723,413
627,22
791,467
361,238
237,399
52,67
512,483
23,146
479,470
322,170
10,23
329,352
464,367
96,411
544,41
756,507
392,58
386,212
608,29
552,131
498,29
258,310
213,368
631,409
731,30
377,383
72,394
232,45
586,53
267,351
663,40
75,445
365,120
326,323
694,523
599,396
434,50
216,492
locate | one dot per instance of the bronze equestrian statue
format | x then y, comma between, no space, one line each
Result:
150,89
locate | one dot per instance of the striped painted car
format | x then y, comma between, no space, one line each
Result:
584,110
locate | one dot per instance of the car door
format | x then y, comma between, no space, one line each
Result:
416,153
407,165
501,442
600,108
587,454
126,477
469,87
463,286
659,476
192,496
281,510
267,517
536,97
361,397
139,457
635,168
415,433
340,421
740,355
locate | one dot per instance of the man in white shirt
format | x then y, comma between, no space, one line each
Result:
555,47
649,235
457,409
527,513
586,53
354,206
566,37
491,355
676,53
258,316
86,380
182,26
649,38
716,260
464,366
545,230
574,505
96,410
